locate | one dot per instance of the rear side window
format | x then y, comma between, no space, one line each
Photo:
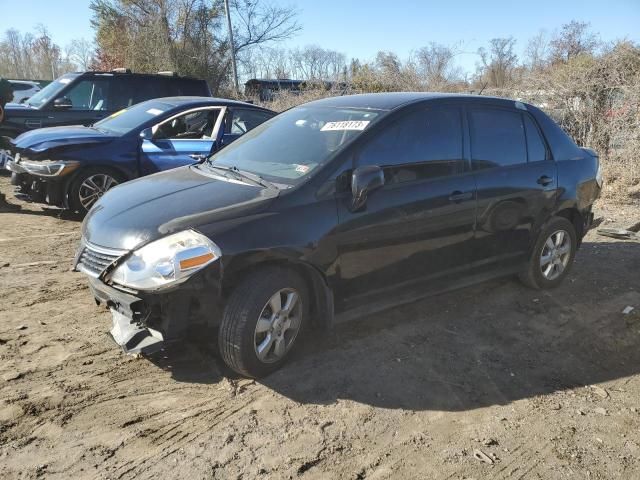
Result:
244,119
421,145
535,144
497,138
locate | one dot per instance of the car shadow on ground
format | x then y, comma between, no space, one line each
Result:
490,344
21,209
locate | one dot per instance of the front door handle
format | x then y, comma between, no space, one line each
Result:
544,180
459,196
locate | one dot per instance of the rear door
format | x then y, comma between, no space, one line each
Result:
239,121
420,224
181,140
516,180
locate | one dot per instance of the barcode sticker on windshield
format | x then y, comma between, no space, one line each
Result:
348,125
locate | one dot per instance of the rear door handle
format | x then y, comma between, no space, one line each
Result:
545,180
459,196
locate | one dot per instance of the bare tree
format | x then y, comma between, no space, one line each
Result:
537,51
259,23
435,64
81,52
315,63
186,36
499,62
574,39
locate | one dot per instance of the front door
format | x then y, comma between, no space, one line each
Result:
420,224
84,103
181,140
516,180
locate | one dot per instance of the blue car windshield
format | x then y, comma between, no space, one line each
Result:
124,121
291,145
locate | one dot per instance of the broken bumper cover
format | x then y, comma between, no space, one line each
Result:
128,313
146,322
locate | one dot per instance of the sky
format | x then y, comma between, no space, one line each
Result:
360,28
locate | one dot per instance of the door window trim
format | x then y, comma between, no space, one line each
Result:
548,152
215,130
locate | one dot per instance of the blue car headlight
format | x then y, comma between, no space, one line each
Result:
50,168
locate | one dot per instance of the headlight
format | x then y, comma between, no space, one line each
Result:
599,179
166,261
49,168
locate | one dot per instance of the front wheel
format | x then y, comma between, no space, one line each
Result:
89,186
262,320
552,255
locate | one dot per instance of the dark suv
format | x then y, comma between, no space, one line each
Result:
86,97
365,199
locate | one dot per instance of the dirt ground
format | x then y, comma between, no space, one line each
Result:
543,384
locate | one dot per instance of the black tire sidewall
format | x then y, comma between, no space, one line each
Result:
241,316
557,223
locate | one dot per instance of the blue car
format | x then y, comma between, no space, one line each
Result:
73,166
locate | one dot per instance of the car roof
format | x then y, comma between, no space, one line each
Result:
205,101
393,100
28,82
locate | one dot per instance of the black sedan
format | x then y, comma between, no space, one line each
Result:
356,200
73,166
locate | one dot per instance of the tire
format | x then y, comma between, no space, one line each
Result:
102,178
550,271
240,337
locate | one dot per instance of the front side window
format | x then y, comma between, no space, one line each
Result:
295,143
192,125
497,138
50,91
89,94
423,144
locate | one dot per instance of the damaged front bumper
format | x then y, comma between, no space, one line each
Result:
144,322
129,315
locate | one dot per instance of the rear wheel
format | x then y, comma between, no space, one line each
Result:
552,255
89,186
262,321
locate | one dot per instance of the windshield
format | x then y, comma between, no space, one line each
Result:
123,121
50,91
293,144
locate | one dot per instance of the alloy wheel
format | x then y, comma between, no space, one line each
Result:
278,325
93,187
555,254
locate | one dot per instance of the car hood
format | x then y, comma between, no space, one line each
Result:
52,137
146,209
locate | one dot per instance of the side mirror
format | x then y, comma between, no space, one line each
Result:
63,103
365,180
146,134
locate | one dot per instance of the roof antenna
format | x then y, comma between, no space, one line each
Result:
483,87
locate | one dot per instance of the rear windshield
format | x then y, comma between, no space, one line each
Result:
291,145
50,91
126,120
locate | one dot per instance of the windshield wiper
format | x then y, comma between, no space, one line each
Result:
242,175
